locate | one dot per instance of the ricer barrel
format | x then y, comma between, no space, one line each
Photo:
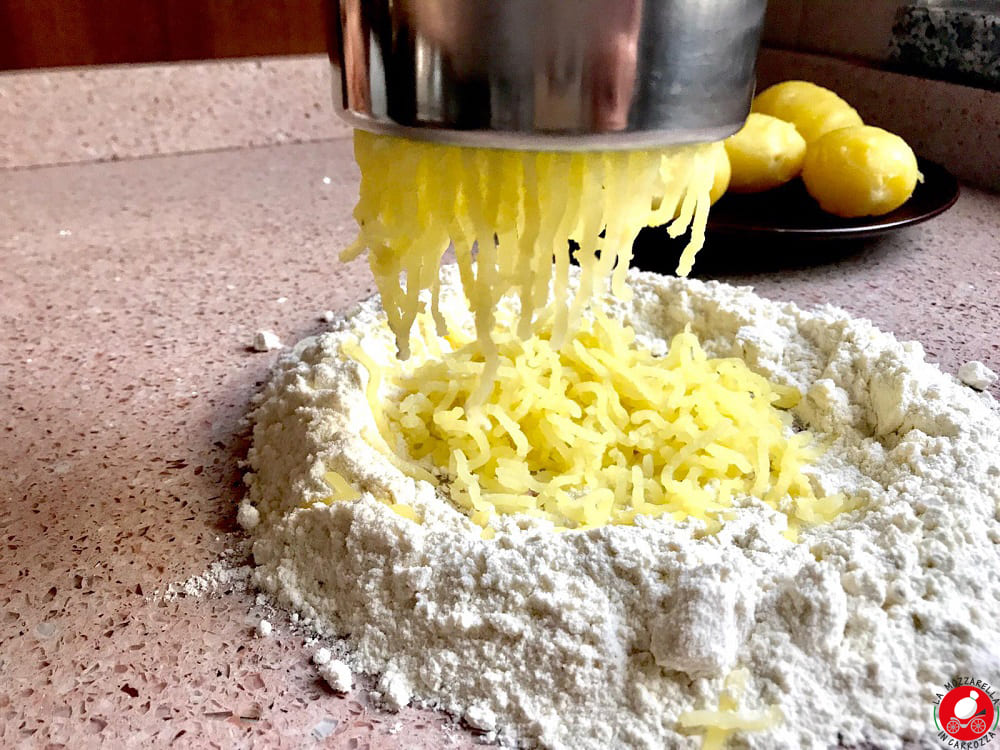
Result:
546,74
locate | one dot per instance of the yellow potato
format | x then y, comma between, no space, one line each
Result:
765,153
860,171
723,173
812,109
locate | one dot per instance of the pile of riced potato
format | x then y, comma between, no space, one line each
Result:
799,129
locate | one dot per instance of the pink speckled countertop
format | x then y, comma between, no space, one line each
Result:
131,291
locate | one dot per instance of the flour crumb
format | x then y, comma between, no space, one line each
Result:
222,577
247,516
706,615
264,629
328,316
265,341
394,690
977,375
337,675
481,718
322,656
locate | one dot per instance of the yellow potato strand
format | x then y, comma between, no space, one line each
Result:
597,431
520,209
553,411
719,724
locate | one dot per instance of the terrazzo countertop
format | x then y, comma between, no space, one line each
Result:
66,115
131,294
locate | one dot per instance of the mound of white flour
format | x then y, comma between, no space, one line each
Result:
601,638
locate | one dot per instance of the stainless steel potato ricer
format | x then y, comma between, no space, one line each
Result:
546,74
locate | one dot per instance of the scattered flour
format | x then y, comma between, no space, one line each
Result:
977,375
223,576
602,638
337,675
247,516
264,629
481,718
322,656
265,341
394,689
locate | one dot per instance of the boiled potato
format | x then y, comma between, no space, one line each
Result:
765,153
723,173
860,171
812,109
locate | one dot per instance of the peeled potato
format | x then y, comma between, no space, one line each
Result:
860,171
765,153
812,109
723,173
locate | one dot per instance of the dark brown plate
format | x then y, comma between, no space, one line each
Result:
789,212
785,228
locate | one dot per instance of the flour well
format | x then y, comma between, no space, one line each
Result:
603,638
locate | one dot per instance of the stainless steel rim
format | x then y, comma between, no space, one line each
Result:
546,74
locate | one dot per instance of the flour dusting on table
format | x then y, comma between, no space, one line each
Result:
603,638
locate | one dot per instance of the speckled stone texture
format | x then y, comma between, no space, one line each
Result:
957,41
131,293
85,114
954,125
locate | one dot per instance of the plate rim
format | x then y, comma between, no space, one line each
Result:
875,225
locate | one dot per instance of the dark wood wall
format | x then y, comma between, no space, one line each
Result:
47,33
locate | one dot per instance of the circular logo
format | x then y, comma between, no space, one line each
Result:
965,713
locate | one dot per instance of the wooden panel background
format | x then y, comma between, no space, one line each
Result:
47,33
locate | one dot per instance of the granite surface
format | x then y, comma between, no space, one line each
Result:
131,293
118,112
956,41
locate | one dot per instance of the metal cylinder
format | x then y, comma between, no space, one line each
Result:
546,74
